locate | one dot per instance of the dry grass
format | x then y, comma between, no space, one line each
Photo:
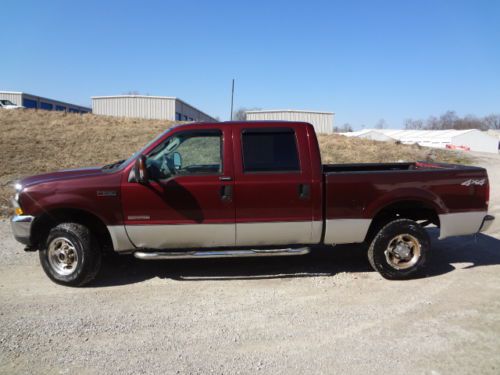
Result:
338,149
34,142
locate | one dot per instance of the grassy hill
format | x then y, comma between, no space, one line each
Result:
33,142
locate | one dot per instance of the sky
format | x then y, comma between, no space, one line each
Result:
363,60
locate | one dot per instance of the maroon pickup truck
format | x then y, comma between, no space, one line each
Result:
241,189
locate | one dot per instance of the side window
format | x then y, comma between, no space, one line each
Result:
270,150
189,153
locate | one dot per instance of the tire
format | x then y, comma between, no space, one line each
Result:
71,255
399,250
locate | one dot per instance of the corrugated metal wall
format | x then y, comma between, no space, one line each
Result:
191,112
14,97
147,107
40,102
135,106
322,121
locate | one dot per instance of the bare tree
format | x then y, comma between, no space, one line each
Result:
381,124
132,92
413,124
492,121
241,113
450,120
346,128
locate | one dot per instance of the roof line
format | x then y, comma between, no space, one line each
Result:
289,110
133,96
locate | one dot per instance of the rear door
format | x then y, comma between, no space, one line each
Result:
272,185
192,207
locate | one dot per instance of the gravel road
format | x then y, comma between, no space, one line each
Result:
326,312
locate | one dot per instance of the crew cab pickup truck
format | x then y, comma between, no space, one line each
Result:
242,189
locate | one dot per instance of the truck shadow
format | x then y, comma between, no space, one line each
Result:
446,256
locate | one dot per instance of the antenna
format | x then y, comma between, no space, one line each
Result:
232,100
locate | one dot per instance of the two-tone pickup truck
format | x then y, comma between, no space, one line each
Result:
241,189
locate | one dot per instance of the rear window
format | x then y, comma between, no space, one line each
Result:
270,150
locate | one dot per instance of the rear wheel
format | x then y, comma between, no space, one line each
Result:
71,255
399,250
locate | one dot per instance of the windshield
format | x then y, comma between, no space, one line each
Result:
122,163
6,102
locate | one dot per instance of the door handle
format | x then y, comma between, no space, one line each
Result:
225,178
226,193
304,191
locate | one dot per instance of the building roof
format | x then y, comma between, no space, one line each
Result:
288,110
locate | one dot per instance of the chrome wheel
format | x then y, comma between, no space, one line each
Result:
62,256
403,251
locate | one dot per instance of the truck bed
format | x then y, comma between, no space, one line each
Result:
355,193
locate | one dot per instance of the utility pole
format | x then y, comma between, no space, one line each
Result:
232,99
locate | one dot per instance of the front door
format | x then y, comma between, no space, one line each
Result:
188,202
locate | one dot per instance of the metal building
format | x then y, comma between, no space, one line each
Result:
322,121
466,140
147,107
39,102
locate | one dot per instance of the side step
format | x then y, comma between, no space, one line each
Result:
198,254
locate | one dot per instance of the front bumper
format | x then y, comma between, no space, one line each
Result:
21,228
486,224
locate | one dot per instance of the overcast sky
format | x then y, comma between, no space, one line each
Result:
363,60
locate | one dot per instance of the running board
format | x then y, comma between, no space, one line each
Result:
198,254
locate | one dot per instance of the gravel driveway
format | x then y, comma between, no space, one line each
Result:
326,312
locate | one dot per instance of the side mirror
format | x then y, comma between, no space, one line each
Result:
140,170
177,158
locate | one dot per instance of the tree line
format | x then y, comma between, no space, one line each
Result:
450,120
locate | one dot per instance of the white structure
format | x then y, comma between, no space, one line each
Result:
39,102
469,139
372,134
322,121
148,107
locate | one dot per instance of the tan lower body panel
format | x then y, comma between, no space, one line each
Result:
341,231
460,223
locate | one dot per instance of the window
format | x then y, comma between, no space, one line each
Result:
270,150
187,153
28,103
46,106
60,108
178,116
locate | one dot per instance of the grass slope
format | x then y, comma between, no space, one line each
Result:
34,142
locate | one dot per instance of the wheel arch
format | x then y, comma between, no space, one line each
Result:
49,219
416,209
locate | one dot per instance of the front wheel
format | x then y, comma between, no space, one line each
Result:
399,250
71,255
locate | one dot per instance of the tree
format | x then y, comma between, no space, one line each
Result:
413,124
346,128
132,92
492,121
241,113
381,124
